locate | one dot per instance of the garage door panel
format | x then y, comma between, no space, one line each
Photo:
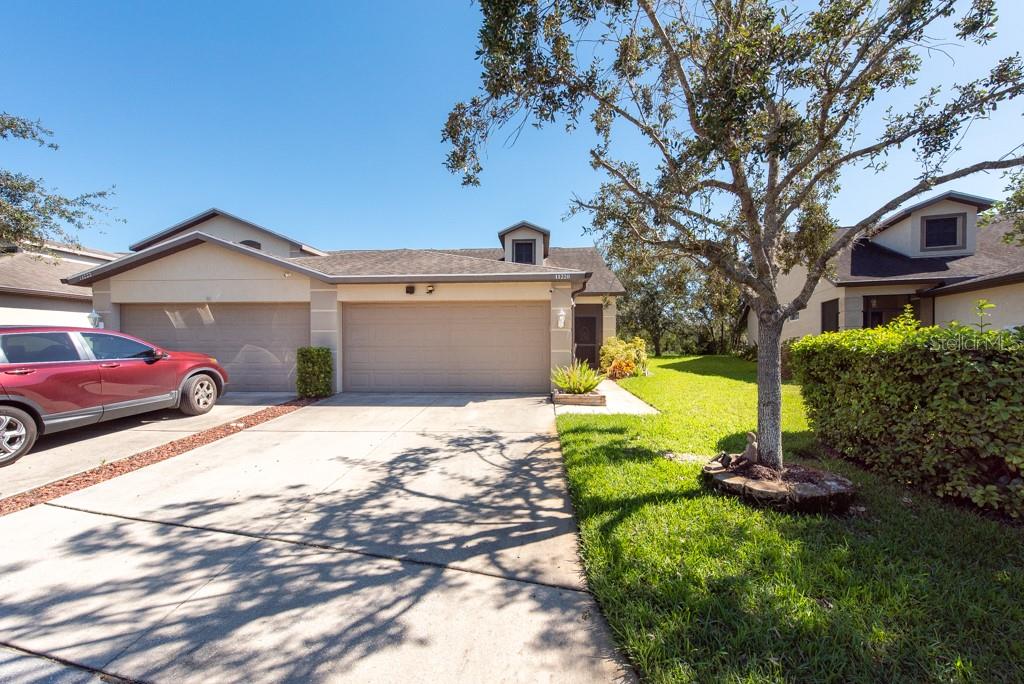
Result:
490,346
256,343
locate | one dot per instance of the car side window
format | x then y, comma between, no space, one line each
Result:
41,347
105,346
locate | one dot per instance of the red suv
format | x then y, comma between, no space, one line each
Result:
55,378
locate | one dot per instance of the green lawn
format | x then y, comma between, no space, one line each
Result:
699,587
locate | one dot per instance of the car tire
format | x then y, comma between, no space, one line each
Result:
198,395
18,433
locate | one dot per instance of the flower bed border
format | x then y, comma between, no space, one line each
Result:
108,471
588,399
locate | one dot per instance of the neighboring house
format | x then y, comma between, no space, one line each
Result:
932,256
396,320
31,290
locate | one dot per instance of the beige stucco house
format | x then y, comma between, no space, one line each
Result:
31,287
932,256
396,320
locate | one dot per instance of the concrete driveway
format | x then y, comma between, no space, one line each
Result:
375,538
67,453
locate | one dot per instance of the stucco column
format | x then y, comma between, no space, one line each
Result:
609,314
561,336
851,312
103,304
325,323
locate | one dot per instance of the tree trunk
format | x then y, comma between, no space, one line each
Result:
769,393
656,339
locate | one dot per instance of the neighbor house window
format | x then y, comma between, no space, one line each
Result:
522,251
943,232
252,243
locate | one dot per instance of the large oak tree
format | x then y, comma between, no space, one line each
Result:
752,108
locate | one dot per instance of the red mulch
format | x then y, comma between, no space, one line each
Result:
107,471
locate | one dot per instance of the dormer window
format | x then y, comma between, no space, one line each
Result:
943,232
522,251
251,243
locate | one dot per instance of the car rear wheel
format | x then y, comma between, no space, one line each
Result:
17,434
198,395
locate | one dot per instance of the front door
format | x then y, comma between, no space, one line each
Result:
585,339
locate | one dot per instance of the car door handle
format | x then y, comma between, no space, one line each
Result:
109,365
20,371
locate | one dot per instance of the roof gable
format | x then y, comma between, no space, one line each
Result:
979,203
190,224
526,225
869,263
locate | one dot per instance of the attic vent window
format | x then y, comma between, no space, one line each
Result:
522,251
251,243
943,232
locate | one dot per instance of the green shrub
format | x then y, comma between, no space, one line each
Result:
747,352
938,408
315,372
576,378
621,368
784,358
634,352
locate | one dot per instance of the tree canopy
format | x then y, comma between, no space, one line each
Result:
753,109
30,212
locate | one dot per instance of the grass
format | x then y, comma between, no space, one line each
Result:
699,587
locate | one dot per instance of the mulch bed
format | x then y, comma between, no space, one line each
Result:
790,473
108,471
797,488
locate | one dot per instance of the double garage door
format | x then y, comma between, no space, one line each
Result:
449,347
256,343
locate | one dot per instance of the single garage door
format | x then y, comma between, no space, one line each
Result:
256,343
488,346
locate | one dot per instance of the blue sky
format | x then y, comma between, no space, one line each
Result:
318,120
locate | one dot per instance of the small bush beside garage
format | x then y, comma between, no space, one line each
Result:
315,372
938,408
622,359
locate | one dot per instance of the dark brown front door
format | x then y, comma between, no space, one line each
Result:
585,339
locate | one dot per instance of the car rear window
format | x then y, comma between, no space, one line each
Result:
39,347
106,346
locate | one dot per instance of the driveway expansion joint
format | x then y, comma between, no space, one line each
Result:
323,547
107,676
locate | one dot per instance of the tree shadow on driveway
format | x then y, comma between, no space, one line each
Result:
462,568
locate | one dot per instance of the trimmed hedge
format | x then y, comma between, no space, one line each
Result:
938,408
315,373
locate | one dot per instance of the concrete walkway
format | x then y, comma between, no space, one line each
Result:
618,401
368,538
68,453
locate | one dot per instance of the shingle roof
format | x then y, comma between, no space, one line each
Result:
603,280
40,275
400,262
869,262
